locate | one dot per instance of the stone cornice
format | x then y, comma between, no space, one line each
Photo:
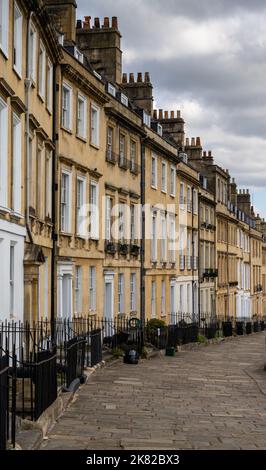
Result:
79,166
5,89
18,105
84,83
124,120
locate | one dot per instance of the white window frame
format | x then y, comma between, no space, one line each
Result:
172,181
122,222
94,211
66,227
154,237
163,298
182,196
124,99
122,148
163,238
33,43
153,299
133,154
195,202
78,290
80,206
110,139
133,292
172,251
189,200
17,164
48,184
42,71
12,278
92,289
3,154
95,125
154,171
17,40
164,177
82,120
108,218
133,222
49,89
121,293
66,107
4,26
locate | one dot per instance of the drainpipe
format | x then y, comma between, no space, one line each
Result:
54,200
27,100
228,287
142,242
199,262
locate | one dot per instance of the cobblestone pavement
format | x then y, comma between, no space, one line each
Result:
210,398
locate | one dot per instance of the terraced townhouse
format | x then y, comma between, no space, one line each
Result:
81,152
28,52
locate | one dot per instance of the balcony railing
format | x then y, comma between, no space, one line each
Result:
110,247
123,162
111,157
134,167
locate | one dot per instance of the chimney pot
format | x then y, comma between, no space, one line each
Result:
160,114
172,115
147,77
204,153
131,78
155,114
87,22
166,115
124,78
106,22
178,114
193,142
97,22
247,191
79,24
209,153
198,143
139,77
114,22
187,142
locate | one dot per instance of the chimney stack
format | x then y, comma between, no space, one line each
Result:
124,78
63,13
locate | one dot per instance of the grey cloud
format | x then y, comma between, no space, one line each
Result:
228,86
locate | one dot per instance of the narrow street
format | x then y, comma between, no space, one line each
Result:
210,398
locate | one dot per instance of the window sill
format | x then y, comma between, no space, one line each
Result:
16,215
4,53
154,187
6,210
17,72
163,191
172,195
49,111
41,97
69,131
66,234
83,139
96,146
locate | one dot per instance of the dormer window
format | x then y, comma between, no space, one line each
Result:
183,157
124,99
97,74
111,89
78,55
160,129
146,119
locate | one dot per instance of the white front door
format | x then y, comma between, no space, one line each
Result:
109,304
172,305
67,297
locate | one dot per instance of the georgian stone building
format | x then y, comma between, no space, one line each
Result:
28,51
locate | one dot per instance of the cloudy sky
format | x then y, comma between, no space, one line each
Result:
207,58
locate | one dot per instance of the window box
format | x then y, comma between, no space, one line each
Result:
123,248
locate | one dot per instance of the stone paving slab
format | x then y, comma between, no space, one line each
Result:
204,398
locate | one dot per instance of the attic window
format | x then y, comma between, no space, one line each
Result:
111,90
146,119
97,74
124,99
183,157
78,55
160,129
61,38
